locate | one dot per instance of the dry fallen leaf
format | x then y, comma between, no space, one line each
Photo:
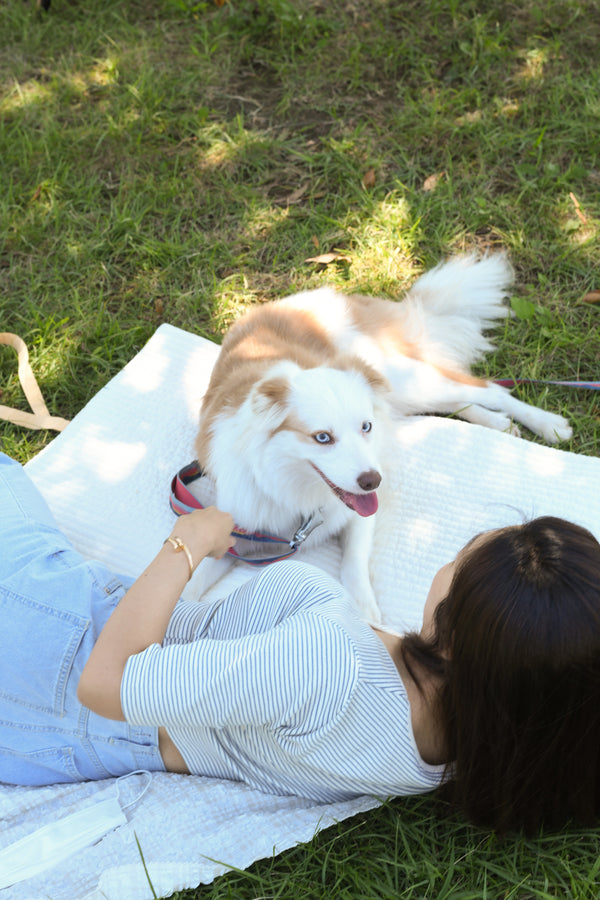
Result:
315,241
369,179
324,259
592,297
432,181
295,195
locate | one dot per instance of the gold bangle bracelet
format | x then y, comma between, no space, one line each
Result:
179,545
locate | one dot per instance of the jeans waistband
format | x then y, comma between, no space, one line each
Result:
107,748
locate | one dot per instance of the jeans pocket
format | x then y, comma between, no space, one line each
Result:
54,765
38,646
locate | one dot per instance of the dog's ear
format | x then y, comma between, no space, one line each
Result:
276,390
269,399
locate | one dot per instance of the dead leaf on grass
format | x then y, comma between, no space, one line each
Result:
369,179
432,181
295,196
325,259
591,297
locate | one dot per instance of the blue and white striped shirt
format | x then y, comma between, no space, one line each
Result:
281,685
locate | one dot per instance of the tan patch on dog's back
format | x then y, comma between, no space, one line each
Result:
275,332
461,377
381,320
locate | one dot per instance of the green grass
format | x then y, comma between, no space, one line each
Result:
410,849
170,160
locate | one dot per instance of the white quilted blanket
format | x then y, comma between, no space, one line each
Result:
107,477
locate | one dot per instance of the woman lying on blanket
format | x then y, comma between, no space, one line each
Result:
282,686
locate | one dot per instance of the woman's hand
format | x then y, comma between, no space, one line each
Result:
205,532
142,616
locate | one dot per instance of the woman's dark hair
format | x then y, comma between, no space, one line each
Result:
517,646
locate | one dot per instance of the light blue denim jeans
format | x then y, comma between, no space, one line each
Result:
53,604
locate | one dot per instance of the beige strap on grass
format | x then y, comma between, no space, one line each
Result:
39,418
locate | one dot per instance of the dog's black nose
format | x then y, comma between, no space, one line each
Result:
369,481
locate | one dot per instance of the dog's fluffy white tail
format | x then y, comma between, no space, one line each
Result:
449,307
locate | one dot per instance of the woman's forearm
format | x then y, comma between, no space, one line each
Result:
142,616
140,619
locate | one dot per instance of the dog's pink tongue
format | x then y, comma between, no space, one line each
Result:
363,504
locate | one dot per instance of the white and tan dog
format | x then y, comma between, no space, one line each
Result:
292,421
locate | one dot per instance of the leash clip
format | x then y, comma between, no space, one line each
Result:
305,528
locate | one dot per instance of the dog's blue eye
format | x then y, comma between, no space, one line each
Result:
322,437
366,427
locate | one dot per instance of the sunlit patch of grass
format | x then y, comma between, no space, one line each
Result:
19,96
534,63
384,242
